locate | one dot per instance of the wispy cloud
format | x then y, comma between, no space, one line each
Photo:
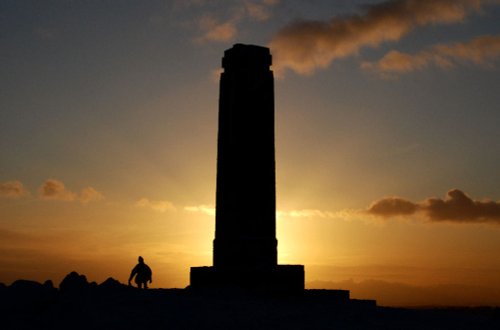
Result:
306,46
13,189
214,30
455,207
53,189
220,21
89,194
205,209
299,213
159,206
315,213
259,11
482,51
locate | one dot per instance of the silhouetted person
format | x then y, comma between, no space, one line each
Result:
142,273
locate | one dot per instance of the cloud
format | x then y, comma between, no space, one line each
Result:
89,194
53,189
456,207
392,206
159,206
395,61
13,189
306,46
315,213
205,209
459,207
217,29
301,213
482,51
306,213
259,11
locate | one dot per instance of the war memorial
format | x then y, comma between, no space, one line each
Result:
245,247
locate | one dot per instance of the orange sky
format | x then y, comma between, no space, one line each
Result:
387,142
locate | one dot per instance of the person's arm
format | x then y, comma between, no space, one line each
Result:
132,273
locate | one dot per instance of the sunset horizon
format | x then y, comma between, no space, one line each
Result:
387,143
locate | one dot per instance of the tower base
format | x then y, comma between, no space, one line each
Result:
283,278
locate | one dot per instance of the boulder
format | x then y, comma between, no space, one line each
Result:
74,283
111,285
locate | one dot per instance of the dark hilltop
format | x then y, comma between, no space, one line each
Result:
78,304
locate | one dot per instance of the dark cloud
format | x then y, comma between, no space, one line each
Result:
456,207
459,207
392,206
306,46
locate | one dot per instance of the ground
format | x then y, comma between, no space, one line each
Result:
111,305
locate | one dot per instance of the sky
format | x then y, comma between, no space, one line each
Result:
387,140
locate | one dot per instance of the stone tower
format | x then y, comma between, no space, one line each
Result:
245,245
245,229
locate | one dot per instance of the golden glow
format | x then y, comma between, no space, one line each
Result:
354,253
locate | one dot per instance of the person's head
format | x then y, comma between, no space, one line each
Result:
141,260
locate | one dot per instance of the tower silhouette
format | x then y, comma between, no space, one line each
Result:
246,195
245,245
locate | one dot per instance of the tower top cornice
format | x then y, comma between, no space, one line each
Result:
242,56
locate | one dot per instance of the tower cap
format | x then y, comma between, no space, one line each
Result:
244,57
